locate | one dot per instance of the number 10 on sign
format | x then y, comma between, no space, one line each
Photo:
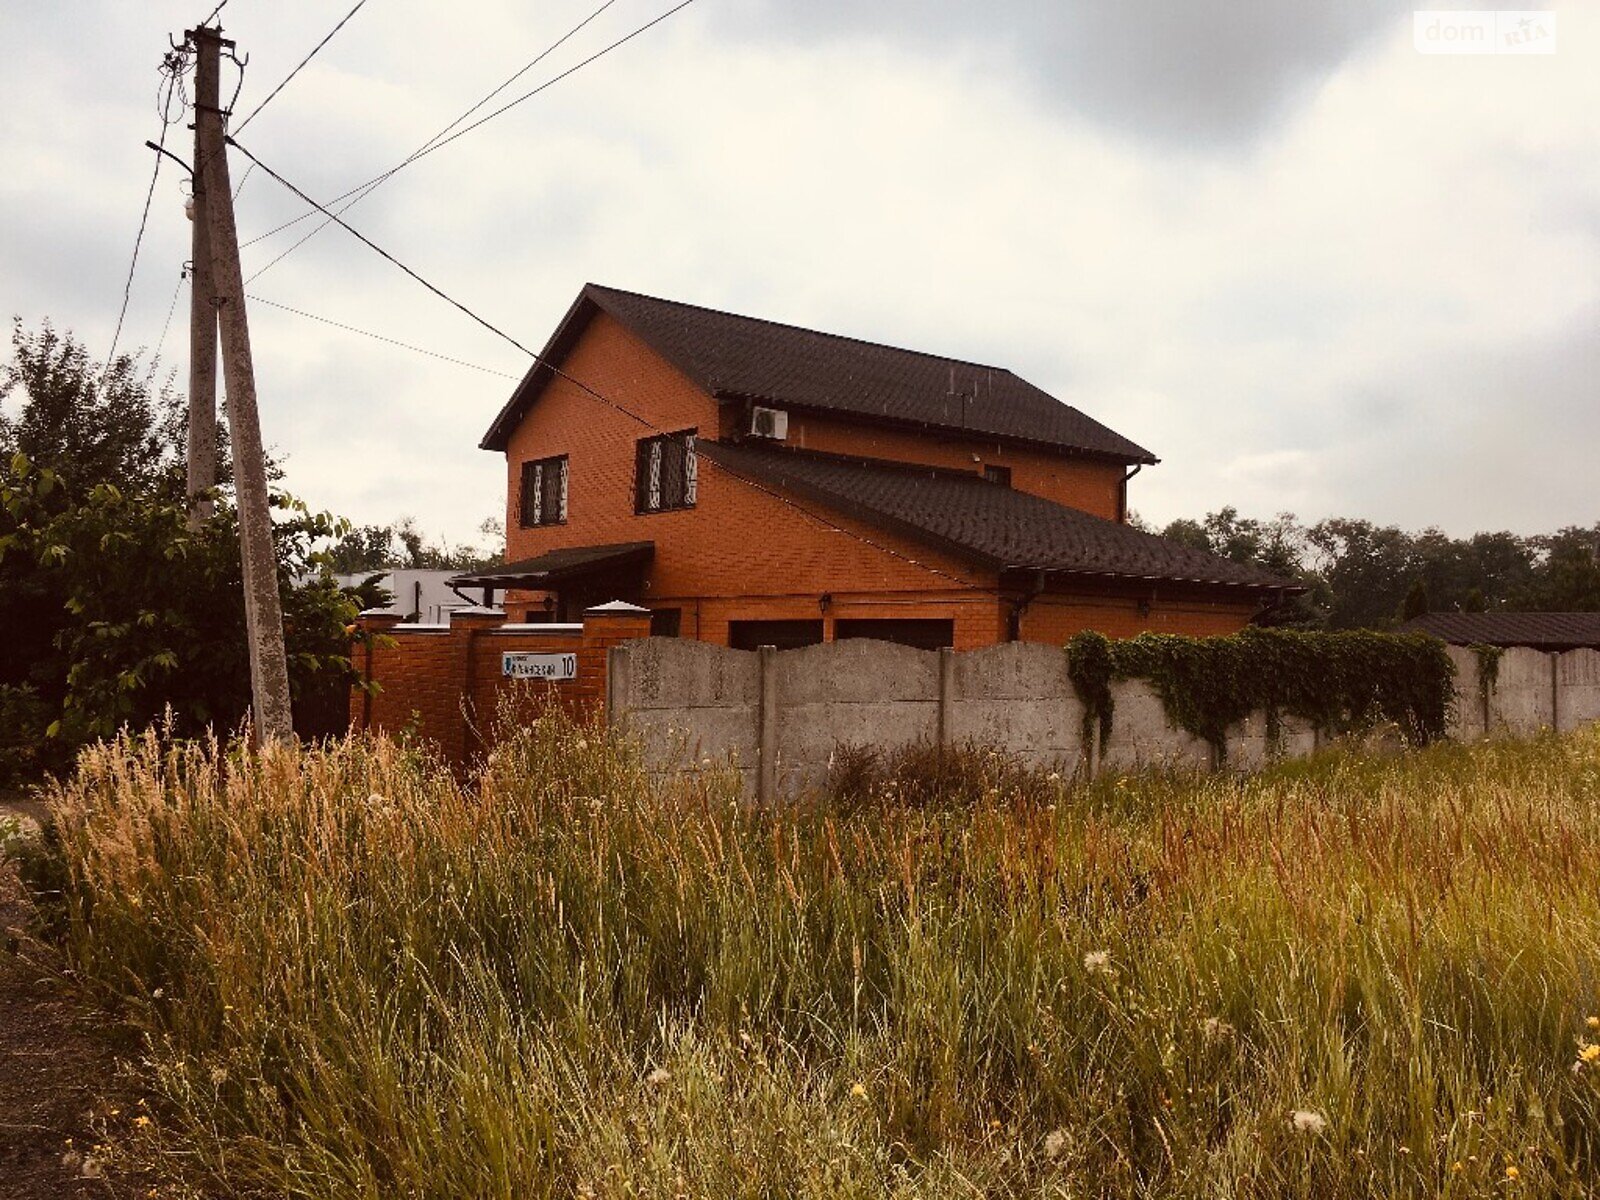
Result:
514,665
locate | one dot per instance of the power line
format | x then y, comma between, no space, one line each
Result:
590,391
460,362
183,273
172,67
440,144
362,191
286,79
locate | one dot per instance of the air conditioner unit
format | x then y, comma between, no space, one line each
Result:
769,423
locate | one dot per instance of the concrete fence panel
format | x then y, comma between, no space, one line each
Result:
1467,714
1017,695
1522,701
854,692
1142,736
1577,688
688,701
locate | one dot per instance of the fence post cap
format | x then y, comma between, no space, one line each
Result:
616,608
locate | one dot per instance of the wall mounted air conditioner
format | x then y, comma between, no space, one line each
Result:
769,423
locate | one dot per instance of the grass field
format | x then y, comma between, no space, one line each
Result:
1344,977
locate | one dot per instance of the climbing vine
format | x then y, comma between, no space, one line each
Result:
1488,670
1336,681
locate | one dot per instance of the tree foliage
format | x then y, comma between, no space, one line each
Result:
117,610
1363,575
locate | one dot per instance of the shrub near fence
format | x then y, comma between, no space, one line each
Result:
1338,682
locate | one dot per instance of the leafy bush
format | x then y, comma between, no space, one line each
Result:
1337,681
24,719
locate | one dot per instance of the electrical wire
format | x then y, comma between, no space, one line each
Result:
271,96
592,392
183,273
172,67
361,192
442,142
460,362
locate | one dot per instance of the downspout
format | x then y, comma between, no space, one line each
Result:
1122,499
1019,606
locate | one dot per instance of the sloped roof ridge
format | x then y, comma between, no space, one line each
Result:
821,333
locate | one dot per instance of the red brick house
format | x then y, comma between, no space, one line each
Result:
759,484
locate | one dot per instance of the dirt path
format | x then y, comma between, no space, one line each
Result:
61,1094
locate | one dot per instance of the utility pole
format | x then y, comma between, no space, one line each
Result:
269,671
202,447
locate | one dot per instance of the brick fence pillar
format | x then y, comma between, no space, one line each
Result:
370,625
605,626
465,626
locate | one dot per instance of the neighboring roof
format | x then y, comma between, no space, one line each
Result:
555,566
1540,630
984,522
734,357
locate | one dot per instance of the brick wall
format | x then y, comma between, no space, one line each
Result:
1081,483
445,683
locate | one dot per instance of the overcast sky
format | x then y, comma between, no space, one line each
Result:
1309,267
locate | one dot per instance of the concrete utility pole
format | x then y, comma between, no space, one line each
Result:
269,671
202,448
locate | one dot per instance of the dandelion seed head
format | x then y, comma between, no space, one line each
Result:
1304,1120
658,1076
1097,962
1055,1143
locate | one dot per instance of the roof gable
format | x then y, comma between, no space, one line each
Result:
735,357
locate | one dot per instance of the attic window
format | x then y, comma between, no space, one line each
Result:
665,473
1000,475
544,492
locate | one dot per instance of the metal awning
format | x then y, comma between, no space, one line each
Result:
555,567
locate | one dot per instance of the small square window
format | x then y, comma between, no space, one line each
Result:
1000,475
544,492
666,473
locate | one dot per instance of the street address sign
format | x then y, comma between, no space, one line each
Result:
518,665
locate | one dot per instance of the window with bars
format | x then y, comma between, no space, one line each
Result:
666,473
544,492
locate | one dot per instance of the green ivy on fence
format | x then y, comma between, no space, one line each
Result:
1336,681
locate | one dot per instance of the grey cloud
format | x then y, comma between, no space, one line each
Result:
1196,72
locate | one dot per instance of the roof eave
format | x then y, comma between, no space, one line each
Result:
578,315
1126,577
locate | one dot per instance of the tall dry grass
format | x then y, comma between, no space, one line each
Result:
359,978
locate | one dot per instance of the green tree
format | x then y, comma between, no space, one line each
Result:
114,610
1416,602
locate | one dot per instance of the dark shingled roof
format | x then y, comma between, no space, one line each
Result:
554,566
1540,630
739,358
984,522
